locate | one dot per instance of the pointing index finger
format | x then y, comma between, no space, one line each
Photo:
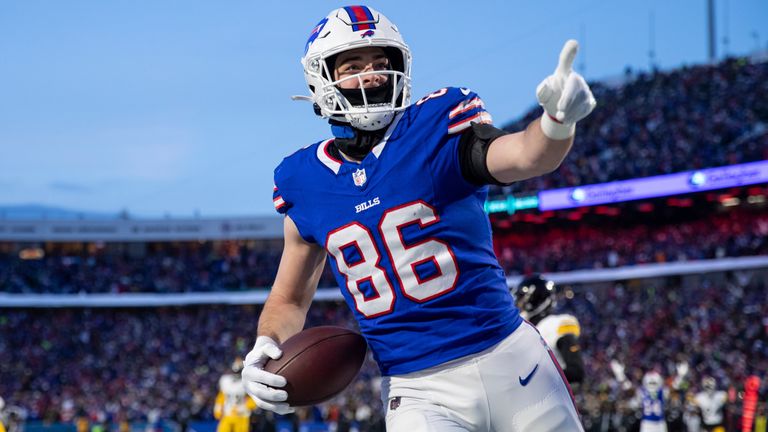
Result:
565,65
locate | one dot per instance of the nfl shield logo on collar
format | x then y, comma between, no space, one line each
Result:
359,177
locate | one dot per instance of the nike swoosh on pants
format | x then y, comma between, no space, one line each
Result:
524,381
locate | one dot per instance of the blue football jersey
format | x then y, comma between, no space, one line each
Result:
409,242
653,405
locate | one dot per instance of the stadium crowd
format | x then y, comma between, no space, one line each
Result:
665,122
551,248
131,364
161,268
716,323
215,267
231,266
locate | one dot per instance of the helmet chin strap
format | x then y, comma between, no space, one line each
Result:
353,142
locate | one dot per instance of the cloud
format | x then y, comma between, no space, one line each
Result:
64,186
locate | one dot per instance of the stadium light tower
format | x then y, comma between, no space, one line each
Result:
756,38
726,27
711,29
583,57
651,40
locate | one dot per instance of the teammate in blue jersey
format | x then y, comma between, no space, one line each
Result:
395,198
651,396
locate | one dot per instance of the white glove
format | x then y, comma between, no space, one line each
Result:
260,384
565,97
618,371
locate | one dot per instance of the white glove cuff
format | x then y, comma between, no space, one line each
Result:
263,340
256,354
554,130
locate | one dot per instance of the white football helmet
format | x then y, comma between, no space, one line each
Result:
237,365
652,381
709,384
349,28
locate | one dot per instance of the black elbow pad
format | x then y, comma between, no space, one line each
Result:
568,347
473,151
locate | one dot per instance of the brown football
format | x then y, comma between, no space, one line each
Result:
319,363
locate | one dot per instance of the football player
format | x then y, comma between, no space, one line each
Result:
536,298
711,402
651,396
2,419
232,408
395,198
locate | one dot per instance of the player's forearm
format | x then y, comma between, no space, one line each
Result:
281,318
295,284
546,153
526,154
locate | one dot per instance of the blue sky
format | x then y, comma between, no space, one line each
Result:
178,107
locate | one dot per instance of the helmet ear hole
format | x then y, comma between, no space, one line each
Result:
330,64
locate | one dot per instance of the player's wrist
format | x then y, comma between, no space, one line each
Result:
555,129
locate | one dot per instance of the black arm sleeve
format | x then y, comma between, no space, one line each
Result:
473,150
569,349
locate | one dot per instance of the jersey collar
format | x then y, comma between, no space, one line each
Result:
334,164
327,158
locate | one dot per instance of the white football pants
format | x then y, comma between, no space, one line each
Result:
653,426
514,386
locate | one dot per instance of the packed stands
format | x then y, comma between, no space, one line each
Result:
243,265
548,248
123,364
147,267
716,323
